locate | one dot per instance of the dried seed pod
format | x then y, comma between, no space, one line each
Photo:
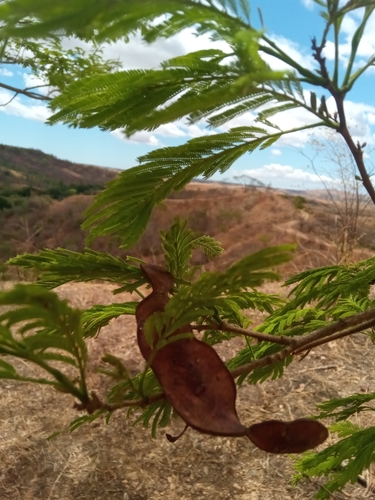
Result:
194,378
297,436
162,284
200,387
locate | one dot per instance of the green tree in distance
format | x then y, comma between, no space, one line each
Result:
53,65
325,304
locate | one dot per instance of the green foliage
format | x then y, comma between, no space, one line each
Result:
208,86
60,191
95,318
328,284
178,244
298,201
343,408
221,295
60,266
49,62
4,203
43,325
341,462
125,207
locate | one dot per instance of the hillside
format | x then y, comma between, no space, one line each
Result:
43,199
21,167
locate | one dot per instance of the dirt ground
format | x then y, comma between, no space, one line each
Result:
121,462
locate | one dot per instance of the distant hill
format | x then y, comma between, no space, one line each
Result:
43,200
22,168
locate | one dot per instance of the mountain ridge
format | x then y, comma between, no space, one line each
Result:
27,167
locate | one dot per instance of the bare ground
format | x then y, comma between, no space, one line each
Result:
121,462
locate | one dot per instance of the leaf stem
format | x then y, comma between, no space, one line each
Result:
227,327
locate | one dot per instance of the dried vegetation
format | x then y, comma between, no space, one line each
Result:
121,462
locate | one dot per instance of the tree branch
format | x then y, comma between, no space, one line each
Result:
227,327
334,331
339,335
339,96
356,150
33,95
342,328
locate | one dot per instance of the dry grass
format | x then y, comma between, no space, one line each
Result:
121,462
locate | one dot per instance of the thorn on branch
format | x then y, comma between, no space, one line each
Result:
317,54
360,146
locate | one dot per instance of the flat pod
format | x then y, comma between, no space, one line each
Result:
162,284
194,378
297,436
199,387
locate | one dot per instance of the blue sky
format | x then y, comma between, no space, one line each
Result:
291,23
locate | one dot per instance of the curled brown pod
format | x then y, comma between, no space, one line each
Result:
297,436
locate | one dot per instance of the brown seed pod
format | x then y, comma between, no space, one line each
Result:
297,436
194,378
201,389
162,284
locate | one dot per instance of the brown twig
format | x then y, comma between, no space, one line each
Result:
339,96
27,93
340,335
356,150
334,331
96,404
341,328
227,327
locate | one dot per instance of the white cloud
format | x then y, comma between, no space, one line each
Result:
366,46
276,152
5,72
137,54
32,80
176,130
38,112
300,55
138,138
276,171
309,4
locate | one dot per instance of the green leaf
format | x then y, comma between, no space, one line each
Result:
60,266
212,290
58,329
178,244
343,408
125,207
341,462
98,316
357,37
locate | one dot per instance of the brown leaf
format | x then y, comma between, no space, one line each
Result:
276,436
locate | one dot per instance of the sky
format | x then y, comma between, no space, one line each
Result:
290,163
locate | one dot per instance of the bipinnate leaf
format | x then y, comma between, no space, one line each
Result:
59,266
